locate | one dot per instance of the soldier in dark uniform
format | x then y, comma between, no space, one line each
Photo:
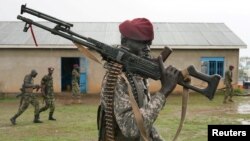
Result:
28,97
75,80
48,93
228,83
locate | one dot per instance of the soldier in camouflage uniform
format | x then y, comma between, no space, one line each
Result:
75,80
48,93
136,37
28,97
228,84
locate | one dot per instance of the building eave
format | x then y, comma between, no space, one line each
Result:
200,47
152,47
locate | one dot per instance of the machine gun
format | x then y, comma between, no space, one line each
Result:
131,63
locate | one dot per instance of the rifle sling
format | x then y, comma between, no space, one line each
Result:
138,116
139,119
185,96
33,35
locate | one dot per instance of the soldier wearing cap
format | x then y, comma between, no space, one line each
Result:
48,93
75,80
28,97
136,37
228,83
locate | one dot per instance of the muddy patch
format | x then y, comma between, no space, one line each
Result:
244,121
244,108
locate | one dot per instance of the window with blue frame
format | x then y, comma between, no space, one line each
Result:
212,65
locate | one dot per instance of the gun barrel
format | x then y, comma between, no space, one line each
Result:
45,16
62,34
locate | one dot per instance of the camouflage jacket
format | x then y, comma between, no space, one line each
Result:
47,85
28,84
124,115
75,76
228,77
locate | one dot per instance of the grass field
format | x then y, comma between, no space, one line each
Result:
77,122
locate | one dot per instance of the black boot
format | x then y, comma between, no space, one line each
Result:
38,116
39,113
13,120
36,119
51,116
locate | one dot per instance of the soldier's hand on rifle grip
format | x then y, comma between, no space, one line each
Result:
169,77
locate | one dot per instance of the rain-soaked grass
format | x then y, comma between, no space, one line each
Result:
77,122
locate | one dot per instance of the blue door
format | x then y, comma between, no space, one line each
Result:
83,75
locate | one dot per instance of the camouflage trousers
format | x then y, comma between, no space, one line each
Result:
75,89
25,101
49,104
229,91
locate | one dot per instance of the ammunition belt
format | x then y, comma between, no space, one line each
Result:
112,74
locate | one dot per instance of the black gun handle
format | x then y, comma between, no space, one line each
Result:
212,81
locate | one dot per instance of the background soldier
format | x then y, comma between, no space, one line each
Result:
136,37
28,97
228,82
75,80
48,93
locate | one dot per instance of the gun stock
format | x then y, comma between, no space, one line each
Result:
131,63
212,81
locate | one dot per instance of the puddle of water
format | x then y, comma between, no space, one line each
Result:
244,108
244,122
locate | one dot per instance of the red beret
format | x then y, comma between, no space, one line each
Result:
140,29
